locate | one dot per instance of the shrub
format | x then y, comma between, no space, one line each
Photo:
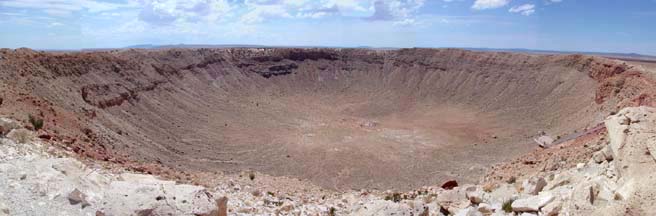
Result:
332,211
507,205
251,176
37,123
395,197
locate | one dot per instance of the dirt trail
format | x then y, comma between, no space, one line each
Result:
341,118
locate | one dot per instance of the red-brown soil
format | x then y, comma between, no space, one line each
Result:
341,118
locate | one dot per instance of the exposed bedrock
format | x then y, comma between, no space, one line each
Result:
342,118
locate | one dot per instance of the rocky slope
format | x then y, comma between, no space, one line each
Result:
617,180
342,118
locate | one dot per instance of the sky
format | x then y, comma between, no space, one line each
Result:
626,26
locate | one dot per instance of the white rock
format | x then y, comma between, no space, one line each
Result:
485,208
469,211
580,165
608,152
599,157
534,185
6,125
4,210
552,209
502,193
558,181
582,197
533,203
624,191
20,135
544,141
474,194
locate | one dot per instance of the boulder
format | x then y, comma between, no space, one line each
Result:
469,211
486,209
448,185
608,152
4,210
599,157
532,203
77,197
558,181
474,195
502,193
20,135
544,141
528,214
582,199
552,209
6,125
534,185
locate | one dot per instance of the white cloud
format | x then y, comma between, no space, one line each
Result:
260,12
353,5
63,7
405,22
55,24
525,9
316,14
400,12
489,4
164,12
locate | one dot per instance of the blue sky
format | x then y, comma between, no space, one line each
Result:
568,25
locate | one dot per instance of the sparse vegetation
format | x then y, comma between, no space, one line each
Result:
395,197
37,123
332,211
507,205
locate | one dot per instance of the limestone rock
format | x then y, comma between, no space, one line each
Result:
474,194
486,209
558,181
544,141
534,185
532,203
599,157
4,210
528,214
469,211
583,197
552,209
6,125
77,197
608,152
20,135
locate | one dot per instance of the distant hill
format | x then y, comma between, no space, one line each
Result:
168,46
623,56
631,56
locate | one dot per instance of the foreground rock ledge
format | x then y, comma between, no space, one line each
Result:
618,180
